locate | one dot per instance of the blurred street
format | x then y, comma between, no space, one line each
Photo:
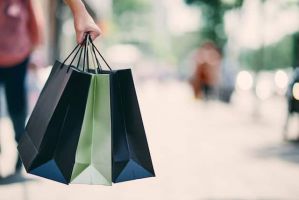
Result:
217,83
199,150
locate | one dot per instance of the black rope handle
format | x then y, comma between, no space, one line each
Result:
94,47
79,57
93,55
69,55
89,54
84,56
95,63
76,50
96,58
69,66
87,47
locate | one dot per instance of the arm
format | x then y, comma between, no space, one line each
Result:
35,23
82,20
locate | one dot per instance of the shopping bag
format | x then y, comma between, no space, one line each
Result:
32,147
131,156
86,126
48,146
93,156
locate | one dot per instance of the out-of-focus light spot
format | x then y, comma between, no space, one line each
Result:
181,18
264,89
244,80
281,79
261,23
296,91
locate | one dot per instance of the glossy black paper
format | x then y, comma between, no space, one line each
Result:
49,145
52,133
131,157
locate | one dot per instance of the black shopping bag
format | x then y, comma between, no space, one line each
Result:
131,157
48,146
53,144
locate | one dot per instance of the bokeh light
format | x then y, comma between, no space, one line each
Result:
281,79
244,80
296,91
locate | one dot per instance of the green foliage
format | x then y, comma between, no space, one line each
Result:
131,20
278,55
227,4
209,2
186,43
123,6
213,12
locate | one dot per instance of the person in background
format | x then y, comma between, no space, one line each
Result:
206,75
20,33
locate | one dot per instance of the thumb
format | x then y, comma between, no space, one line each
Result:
95,34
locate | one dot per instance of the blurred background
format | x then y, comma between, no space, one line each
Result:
217,87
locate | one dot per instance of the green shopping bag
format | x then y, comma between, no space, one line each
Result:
93,164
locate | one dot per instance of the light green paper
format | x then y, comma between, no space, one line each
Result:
93,156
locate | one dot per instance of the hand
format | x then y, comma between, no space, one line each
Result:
85,24
83,21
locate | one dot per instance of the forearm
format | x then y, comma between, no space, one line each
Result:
76,6
82,20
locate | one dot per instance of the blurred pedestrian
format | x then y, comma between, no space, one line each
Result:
206,75
20,34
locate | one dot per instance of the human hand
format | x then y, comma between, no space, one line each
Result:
83,21
85,24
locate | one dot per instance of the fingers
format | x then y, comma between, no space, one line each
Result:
93,34
80,37
92,29
96,32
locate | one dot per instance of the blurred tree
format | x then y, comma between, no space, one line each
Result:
275,56
121,7
282,54
213,13
129,19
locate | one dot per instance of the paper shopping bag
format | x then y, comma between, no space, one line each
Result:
131,156
93,163
48,147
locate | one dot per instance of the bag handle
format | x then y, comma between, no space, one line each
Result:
73,60
86,47
93,55
89,50
96,58
81,49
95,61
69,55
95,48
79,58
77,50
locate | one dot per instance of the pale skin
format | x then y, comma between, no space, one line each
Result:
83,21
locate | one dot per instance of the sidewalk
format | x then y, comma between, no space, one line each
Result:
200,151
